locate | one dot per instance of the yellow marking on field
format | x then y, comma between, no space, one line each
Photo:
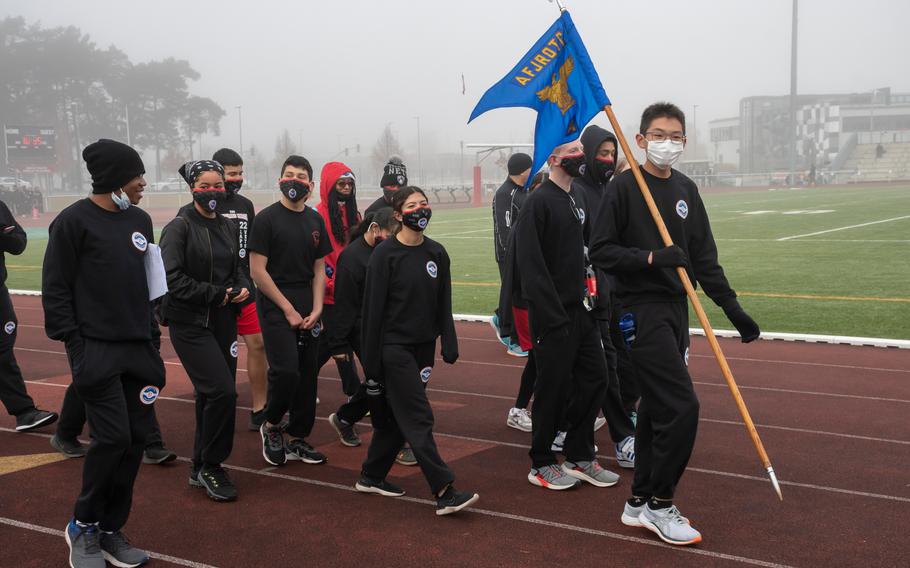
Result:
24,266
755,295
12,464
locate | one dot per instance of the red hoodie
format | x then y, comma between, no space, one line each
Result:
327,179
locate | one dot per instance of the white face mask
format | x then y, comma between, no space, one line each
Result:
122,201
664,154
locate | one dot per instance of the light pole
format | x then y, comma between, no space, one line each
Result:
419,155
793,61
240,126
695,130
129,140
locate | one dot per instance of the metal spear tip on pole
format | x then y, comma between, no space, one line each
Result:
774,482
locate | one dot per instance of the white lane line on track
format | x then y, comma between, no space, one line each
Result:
844,228
526,446
271,472
58,533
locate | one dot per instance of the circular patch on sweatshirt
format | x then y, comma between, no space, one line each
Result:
148,394
581,215
242,253
686,357
234,350
9,327
425,374
682,209
432,270
139,241
317,329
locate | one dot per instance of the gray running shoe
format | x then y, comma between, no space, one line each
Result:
194,477
592,472
406,457
117,550
625,452
347,433
630,514
520,419
300,450
552,477
85,551
669,525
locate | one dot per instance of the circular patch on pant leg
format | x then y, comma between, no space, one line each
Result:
149,394
9,327
425,374
234,350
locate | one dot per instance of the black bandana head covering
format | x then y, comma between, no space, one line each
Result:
191,171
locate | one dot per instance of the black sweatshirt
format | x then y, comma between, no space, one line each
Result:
350,280
241,211
93,280
12,242
549,254
407,300
626,234
377,205
507,202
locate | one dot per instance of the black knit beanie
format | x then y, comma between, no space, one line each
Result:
112,164
518,163
394,174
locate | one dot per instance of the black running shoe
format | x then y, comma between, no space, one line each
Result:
300,450
217,483
34,418
194,477
273,448
257,419
69,448
158,455
453,501
346,432
382,487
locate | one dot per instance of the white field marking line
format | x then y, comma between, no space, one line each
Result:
807,363
59,533
810,241
525,447
810,393
510,398
844,228
461,233
271,472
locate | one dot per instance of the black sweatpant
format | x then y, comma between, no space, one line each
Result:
406,369
668,411
13,394
569,360
119,383
291,354
528,378
72,419
357,404
209,356
618,420
625,371
347,370
504,310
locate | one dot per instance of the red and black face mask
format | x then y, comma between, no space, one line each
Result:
294,189
574,164
232,186
605,168
417,219
209,197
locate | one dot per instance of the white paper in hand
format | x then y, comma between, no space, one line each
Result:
155,275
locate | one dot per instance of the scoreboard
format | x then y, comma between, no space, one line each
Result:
28,147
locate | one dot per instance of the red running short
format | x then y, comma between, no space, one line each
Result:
248,321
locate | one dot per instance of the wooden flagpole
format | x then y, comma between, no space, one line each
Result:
690,292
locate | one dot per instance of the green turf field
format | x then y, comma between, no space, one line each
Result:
846,280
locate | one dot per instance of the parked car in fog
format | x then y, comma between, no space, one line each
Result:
11,182
170,184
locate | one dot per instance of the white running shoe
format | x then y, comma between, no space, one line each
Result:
669,525
592,472
630,514
558,442
520,419
599,423
625,453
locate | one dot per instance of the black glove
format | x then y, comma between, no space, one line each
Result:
669,257
450,358
743,323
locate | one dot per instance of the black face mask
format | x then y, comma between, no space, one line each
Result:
605,168
294,189
343,198
208,199
418,219
574,164
232,186
388,194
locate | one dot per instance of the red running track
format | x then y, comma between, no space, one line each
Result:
833,419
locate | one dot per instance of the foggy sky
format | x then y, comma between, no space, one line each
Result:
340,70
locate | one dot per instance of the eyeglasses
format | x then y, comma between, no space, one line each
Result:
661,136
345,184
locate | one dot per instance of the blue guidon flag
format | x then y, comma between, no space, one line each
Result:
557,79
